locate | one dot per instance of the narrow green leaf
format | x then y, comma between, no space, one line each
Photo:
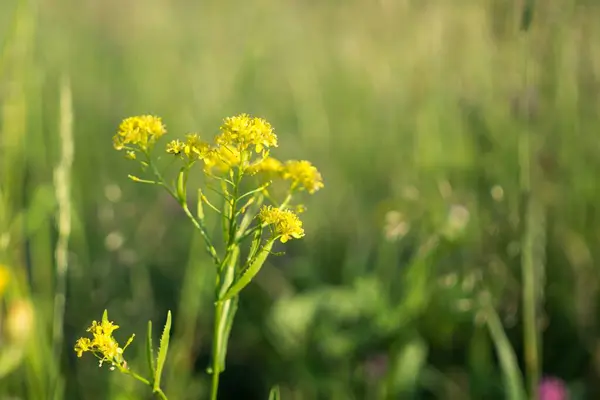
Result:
250,272
150,351
105,317
233,304
513,377
255,246
274,393
162,351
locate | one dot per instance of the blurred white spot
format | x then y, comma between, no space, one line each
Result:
114,241
445,189
479,319
464,304
106,214
395,226
497,193
449,280
410,193
128,256
468,284
4,240
458,218
112,192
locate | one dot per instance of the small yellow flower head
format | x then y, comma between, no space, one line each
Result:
268,165
303,175
175,147
284,223
104,328
223,158
103,345
243,131
193,148
142,131
82,345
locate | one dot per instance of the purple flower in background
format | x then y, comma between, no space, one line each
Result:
552,389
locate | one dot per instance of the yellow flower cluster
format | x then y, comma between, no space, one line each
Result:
241,136
142,131
222,158
193,148
244,131
103,345
303,175
267,165
285,223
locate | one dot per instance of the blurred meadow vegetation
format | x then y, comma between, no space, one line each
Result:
459,144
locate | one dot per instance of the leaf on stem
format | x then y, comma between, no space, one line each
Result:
162,352
150,350
249,273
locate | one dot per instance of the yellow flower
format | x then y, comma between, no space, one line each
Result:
268,165
175,147
303,175
104,328
103,345
243,131
222,158
285,223
82,345
193,148
142,131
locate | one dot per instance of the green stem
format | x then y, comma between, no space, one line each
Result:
198,223
216,350
157,392
160,394
225,310
200,226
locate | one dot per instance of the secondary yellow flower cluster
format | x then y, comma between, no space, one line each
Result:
303,175
284,223
142,131
103,345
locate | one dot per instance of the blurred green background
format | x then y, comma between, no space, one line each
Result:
458,140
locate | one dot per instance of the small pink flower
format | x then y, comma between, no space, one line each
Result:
552,389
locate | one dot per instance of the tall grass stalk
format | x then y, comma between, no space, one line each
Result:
62,184
533,237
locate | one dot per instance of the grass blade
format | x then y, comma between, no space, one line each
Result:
506,355
274,393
